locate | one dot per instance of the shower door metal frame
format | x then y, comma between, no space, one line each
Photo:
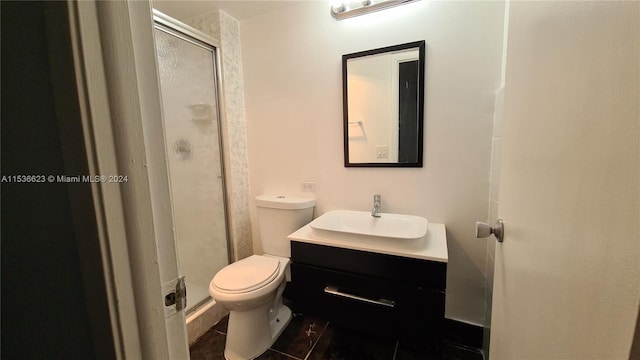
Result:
178,29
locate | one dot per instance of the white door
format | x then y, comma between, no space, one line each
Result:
117,79
567,276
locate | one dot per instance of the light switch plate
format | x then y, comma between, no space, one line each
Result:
308,186
382,151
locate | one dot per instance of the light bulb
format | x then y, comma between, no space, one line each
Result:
338,6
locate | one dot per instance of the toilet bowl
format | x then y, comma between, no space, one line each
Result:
252,288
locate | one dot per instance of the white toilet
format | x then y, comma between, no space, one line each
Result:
252,287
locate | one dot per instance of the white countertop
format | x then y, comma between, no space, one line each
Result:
433,247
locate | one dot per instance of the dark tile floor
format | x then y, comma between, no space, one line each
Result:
309,338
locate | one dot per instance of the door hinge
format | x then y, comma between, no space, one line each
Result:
177,296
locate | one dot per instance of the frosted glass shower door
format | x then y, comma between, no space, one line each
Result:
190,107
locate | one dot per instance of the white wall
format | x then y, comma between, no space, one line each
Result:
293,92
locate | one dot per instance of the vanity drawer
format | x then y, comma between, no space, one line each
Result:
424,273
367,303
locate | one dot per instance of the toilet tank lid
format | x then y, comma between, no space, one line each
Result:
284,202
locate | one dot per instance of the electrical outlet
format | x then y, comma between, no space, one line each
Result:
382,151
308,186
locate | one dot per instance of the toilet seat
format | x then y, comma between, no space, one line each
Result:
247,274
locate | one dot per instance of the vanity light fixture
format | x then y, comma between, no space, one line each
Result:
346,9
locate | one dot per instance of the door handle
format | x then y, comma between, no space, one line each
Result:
483,230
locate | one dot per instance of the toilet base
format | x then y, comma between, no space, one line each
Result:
250,333
277,325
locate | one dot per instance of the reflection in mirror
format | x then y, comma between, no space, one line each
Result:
383,104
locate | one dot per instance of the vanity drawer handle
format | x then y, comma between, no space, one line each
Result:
334,291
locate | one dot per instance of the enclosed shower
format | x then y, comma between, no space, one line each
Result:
189,83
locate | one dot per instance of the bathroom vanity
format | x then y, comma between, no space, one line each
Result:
376,287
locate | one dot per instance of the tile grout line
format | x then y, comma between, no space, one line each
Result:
203,335
395,351
283,353
317,340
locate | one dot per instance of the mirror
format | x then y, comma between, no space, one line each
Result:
383,105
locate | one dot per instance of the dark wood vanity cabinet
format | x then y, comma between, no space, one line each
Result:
391,295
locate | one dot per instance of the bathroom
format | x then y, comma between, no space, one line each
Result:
283,113
293,129
463,101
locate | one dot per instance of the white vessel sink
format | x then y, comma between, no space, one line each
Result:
360,224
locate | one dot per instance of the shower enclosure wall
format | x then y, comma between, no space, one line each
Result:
189,83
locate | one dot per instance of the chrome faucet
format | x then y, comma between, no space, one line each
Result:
376,206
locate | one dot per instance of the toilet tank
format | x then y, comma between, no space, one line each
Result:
279,216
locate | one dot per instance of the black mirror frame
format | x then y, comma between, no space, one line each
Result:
345,107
